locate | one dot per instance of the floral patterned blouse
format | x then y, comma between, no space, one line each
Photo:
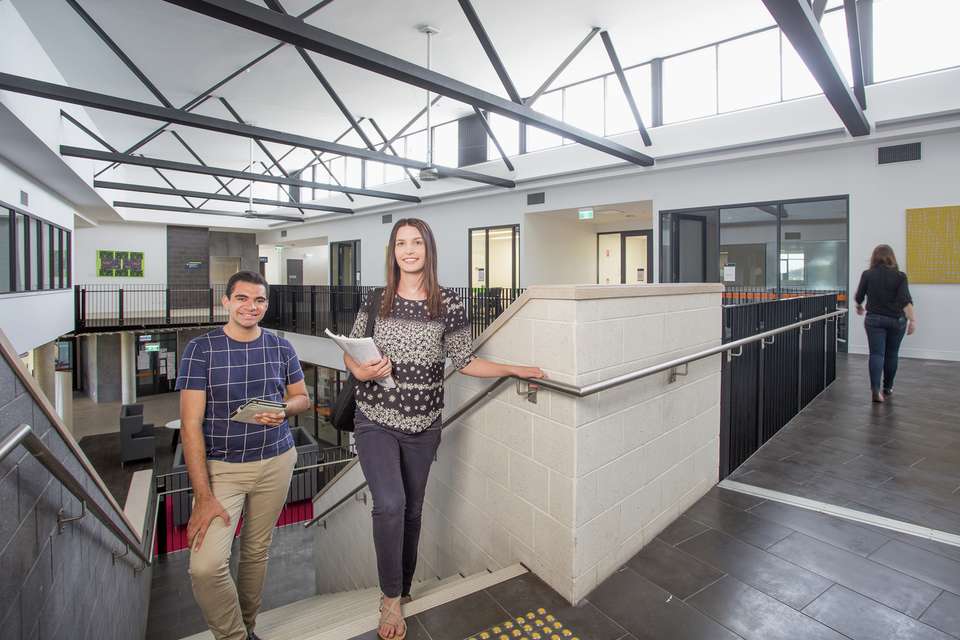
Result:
418,347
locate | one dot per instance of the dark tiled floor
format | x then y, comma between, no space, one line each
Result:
900,459
104,453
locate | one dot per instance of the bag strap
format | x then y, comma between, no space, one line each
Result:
375,300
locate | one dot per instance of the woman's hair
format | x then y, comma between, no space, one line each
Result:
883,256
430,282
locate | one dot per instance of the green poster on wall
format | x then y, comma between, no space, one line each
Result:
119,264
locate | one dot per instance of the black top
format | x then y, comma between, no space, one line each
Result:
886,291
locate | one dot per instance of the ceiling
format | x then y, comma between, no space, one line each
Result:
639,212
184,53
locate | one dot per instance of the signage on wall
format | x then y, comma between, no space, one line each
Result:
152,346
730,272
119,264
585,214
192,265
145,338
263,259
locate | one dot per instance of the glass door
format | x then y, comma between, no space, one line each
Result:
345,263
689,246
625,257
495,257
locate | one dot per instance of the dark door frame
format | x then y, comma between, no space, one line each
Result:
623,252
335,251
514,242
675,248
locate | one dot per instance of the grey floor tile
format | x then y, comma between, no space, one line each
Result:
650,613
415,631
461,618
944,614
837,531
673,570
755,615
737,523
892,588
920,564
861,618
528,593
782,580
681,529
742,501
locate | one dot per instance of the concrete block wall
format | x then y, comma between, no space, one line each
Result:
574,487
52,584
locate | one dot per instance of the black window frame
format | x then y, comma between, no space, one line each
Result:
515,243
30,247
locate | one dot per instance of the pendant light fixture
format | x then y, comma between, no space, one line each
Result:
429,173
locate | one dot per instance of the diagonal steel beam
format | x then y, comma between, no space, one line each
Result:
289,29
202,97
170,165
389,145
263,147
107,40
486,127
490,50
87,131
143,188
856,51
818,6
120,204
200,160
95,100
250,166
173,186
618,69
799,24
563,66
409,124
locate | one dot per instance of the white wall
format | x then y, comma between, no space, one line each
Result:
557,249
151,239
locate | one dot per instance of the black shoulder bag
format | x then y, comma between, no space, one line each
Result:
345,407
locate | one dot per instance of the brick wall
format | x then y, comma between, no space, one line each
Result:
57,585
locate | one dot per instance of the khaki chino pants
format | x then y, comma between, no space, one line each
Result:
258,489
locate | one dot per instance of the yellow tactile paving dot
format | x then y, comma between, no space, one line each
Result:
532,625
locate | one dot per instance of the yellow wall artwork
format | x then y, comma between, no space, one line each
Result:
933,245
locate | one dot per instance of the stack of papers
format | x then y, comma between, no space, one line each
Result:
363,350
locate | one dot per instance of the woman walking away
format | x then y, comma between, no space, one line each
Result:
889,315
417,326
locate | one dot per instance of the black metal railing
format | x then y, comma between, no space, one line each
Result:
307,309
751,295
767,383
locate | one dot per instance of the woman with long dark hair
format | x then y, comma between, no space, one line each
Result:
890,315
418,325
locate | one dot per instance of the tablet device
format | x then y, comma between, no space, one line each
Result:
250,408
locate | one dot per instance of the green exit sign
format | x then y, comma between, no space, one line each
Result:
152,346
585,214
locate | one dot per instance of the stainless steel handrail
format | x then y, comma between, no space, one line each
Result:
609,383
24,435
469,404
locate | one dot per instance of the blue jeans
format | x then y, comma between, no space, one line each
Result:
396,465
884,334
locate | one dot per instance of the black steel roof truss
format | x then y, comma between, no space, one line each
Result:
170,165
143,188
618,69
389,145
798,22
173,186
207,212
490,50
288,29
197,157
818,6
486,127
563,66
856,51
87,131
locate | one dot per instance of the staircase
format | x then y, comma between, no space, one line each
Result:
338,616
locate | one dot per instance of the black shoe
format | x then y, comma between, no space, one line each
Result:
888,392
252,636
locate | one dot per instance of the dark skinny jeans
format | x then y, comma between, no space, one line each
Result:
396,465
884,334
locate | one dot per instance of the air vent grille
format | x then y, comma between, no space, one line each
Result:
898,153
387,218
24,199
536,198
791,235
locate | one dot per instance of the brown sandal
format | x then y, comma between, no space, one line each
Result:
392,616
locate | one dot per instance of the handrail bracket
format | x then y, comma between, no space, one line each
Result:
63,521
675,372
528,389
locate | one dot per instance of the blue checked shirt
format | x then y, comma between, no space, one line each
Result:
232,372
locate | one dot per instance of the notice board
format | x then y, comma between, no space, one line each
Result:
933,245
